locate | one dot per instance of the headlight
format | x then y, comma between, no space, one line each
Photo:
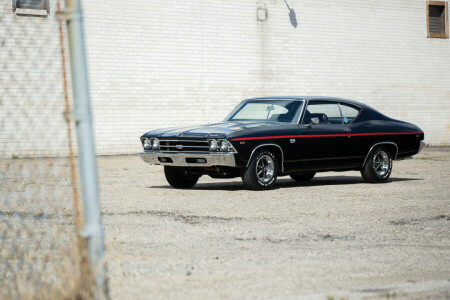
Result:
213,145
223,146
155,144
147,144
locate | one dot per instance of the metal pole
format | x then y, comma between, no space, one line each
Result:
92,229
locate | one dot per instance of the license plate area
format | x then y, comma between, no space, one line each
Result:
165,159
195,160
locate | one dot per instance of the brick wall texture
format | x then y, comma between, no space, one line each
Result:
167,63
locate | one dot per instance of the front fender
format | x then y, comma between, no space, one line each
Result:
246,149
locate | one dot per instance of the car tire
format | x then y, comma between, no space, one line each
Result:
378,166
303,176
177,178
262,171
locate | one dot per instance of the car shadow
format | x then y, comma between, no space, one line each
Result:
286,183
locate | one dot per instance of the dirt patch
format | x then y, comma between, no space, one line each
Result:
420,220
190,219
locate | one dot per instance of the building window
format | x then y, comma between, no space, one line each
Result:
437,19
31,7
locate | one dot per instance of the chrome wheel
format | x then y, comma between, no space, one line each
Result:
381,163
265,169
262,171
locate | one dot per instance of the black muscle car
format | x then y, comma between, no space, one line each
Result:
263,138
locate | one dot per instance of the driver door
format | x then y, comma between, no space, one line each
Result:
324,143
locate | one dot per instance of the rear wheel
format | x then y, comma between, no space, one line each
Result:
378,166
303,176
179,179
262,172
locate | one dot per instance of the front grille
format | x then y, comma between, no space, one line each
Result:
184,145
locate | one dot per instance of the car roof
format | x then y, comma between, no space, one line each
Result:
311,98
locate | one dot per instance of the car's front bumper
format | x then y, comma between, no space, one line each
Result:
422,144
188,159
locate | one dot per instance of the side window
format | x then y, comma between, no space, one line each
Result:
349,113
328,113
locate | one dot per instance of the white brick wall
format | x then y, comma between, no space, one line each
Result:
31,86
189,62
161,63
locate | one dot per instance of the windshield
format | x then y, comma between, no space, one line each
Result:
287,111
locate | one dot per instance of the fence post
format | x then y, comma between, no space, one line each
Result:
92,229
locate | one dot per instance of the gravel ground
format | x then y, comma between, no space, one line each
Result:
334,237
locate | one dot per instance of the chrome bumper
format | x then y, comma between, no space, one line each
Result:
183,159
422,144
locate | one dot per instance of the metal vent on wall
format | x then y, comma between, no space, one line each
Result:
436,19
21,6
33,4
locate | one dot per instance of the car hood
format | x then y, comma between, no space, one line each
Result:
216,130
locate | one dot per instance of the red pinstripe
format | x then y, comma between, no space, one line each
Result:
320,135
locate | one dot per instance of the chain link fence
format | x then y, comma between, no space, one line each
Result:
42,255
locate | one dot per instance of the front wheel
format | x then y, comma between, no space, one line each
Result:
378,166
179,179
262,172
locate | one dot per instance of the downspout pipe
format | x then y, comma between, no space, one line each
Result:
92,229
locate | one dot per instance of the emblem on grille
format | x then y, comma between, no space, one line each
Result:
179,147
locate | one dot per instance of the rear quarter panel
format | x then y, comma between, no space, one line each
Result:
406,136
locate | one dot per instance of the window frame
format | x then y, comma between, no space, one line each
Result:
441,35
359,109
44,11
